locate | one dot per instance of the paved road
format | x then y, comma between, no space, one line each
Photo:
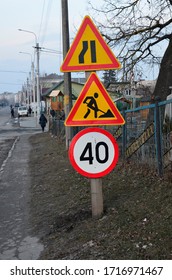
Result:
16,241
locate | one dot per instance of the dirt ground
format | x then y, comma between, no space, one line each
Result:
137,219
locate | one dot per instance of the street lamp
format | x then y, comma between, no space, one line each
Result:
32,77
37,68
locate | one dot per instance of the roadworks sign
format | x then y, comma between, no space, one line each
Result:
94,106
89,51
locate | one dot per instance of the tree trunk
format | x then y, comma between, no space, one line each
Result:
164,80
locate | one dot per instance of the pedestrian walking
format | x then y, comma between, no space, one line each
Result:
30,110
42,121
53,113
12,112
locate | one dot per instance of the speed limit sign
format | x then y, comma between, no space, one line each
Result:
93,152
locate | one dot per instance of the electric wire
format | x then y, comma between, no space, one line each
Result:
9,71
16,84
46,21
41,19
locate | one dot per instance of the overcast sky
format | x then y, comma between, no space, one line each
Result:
43,17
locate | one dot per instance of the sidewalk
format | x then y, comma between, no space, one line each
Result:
31,122
16,239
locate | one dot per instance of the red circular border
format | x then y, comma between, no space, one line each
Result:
71,152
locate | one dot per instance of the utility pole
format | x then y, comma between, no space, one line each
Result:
37,69
33,86
67,75
37,79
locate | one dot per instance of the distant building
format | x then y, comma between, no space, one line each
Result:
59,87
134,90
48,81
48,97
7,98
145,87
168,107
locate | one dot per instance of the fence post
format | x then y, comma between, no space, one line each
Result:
158,142
124,135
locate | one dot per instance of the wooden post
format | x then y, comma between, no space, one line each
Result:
124,136
96,188
158,138
96,197
67,75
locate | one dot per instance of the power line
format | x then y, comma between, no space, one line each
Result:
9,71
47,16
50,50
41,19
11,84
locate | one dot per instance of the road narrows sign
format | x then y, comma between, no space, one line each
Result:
89,51
93,152
94,106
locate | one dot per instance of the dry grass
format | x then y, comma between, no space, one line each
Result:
137,220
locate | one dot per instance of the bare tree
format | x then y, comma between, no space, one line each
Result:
138,28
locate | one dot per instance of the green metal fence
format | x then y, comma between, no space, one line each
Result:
146,136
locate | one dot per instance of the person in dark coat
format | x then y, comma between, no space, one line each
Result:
12,112
42,122
30,110
53,113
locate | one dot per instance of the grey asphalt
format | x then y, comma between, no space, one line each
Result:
16,239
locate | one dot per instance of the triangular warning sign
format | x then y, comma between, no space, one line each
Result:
89,51
94,106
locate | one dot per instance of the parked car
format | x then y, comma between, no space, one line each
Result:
22,111
16,105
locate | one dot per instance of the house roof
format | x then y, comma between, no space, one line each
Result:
48,91
52,76
55,93
56,86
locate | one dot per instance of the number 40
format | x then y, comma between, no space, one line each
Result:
89,151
